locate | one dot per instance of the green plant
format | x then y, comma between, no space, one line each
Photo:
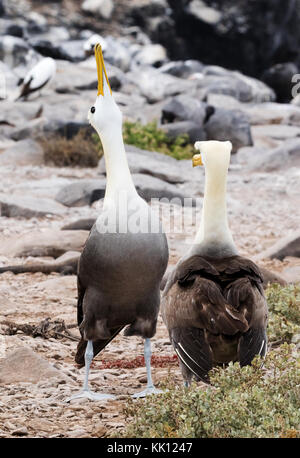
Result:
253,401
151,138
82,150
284,312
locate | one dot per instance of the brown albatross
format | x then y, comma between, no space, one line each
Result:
126,254
213,303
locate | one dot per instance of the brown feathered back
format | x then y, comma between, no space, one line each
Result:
215,308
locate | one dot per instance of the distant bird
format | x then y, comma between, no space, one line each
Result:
90,43
213,303
37,77
126,254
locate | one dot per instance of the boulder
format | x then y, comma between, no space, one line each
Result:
287,246
13,50
182,68
81,192
51,242
117,53
150,163
22,153
101,8
184,108
283,156
218,80
275,131
190,128
25,365
157,86
150,187
152,54
280,78
85,192
230,125
25,206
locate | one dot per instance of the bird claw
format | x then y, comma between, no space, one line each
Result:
147,392
91,396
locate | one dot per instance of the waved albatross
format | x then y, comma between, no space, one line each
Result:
126,254
213,303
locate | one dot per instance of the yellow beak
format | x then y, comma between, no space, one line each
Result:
197,160
101,70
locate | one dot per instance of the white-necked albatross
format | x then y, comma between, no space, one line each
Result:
38,77
213,303
125,256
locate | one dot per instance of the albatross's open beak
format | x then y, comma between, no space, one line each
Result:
197,160
101,70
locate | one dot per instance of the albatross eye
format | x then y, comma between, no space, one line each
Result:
93,109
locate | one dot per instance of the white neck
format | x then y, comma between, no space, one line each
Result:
117,171
214,229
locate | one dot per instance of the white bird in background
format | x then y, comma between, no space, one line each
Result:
89,44
38,77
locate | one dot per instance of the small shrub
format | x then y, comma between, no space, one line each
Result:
284,312
81,150
253,401
151,138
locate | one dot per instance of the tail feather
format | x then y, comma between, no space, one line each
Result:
193,351
254,342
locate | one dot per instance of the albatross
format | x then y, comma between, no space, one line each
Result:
213,303
38,77
126,253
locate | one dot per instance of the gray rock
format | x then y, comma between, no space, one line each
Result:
101,8
156,86
32,129
14,205
51,242
217,80
85,192
182,68
229,125
190,128
283,156
288,246
117,53
152,54
150,187
272,113
203,12
24,365
150,163
73,49
276,131
184,108
280,78
13,50
23,152
81,192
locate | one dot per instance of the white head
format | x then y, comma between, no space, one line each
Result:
105,113
213,154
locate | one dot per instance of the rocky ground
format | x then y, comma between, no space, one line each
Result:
38,374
